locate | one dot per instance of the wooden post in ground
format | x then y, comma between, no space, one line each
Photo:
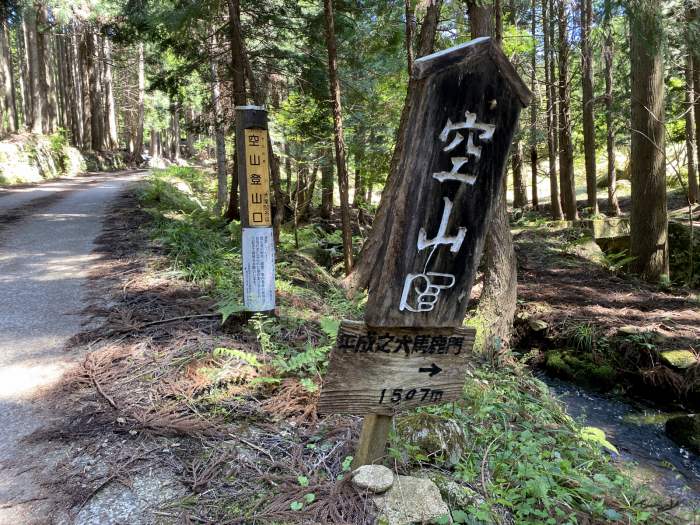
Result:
412,349
257,238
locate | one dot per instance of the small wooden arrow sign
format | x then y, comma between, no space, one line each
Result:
384,371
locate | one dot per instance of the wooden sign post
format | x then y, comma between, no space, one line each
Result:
257,244
412,349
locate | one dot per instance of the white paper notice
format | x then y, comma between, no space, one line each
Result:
258,269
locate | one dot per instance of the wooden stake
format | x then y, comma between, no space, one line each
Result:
372,444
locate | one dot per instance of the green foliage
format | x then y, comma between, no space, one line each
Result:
535,460
616,261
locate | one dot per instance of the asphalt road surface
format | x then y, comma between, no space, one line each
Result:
47,235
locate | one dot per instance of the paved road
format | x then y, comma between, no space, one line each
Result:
46,242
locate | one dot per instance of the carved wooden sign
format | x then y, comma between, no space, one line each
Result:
454,160
452,155
385,371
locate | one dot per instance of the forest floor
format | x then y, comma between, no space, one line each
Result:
175,417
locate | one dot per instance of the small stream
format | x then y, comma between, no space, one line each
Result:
637,431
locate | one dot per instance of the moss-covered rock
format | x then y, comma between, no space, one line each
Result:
685,430
28,158
430,438
679,358
580,368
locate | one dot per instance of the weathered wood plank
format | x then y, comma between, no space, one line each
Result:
454,162
386,371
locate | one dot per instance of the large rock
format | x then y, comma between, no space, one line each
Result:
410,500
436,439
679,358
685,430
374,478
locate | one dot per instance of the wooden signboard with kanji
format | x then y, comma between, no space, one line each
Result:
257,238
383,372
464,110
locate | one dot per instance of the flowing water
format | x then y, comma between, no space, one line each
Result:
637,431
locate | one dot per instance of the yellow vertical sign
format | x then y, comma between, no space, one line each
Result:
257,178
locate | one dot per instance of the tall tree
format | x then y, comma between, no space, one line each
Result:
648,219
550,91
410,26
340,162
238,93
566,145
533,106
7,96
219,135
692,117
586,10
29,23
496,308
140,103
608,52
111,138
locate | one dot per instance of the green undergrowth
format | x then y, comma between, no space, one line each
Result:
525,460
529,462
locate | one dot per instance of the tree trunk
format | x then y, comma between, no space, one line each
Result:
46,84
364,275
239,93
24,82
7,75
327,185
690,128
340,162
110,108
64,114
648,220
219,136
140,112
519,188
696,87
174,132
566,146
97,142
29,22
555,203
84,52
359,196
533,109
608,50
586,8
189,132
496,308
410,26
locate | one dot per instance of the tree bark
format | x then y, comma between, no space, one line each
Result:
340,161
174,131
410,26
221,189
519,188
140,105
555,204
97,142
24,82
690,128
648,219
608,50
45,73
364,274
496,308
7,75
566,147
239,93
586,8
696,87
359,196
327,185
29,23
533,108
110,108
84,52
